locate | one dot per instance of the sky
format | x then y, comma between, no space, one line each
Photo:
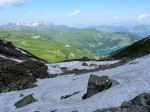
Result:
75,12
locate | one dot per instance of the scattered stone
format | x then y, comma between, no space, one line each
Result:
67,96
25,101
84,64
140,103
93,64
21,95
54,110
64,68
98,84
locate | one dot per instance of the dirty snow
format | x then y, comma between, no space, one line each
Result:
133,78
23,52
56,67
17,60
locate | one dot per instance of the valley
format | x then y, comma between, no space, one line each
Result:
61,45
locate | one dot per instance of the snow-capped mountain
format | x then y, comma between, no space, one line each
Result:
41,26
32,24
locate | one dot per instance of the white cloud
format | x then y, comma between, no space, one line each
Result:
74,13
143,16
116,17
9,3
33,12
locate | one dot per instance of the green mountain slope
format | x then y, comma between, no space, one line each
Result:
137,49
65,44
89,38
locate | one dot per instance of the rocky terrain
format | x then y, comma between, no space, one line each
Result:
18,68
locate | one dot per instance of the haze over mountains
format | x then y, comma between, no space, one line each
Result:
140,30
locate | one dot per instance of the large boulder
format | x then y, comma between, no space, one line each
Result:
25,101
98,84
140,103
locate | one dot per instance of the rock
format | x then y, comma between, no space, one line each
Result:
98,84
19,76
12,78
84,64
21,95
19,85
54,110
37,68
140,103
25,101
64,68
67,96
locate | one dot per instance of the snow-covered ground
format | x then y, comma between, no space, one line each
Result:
55,68
14,59
134,78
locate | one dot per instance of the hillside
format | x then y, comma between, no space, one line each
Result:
137,49
64,93
65,44
140,30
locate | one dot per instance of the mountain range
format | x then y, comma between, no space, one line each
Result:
140,30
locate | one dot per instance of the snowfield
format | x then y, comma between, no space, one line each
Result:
134,78
55,68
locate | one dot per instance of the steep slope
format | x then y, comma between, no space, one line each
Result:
133,79
137,49
10,51
134,37
18,68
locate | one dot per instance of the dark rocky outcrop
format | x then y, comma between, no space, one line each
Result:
9,50
34,68
25,101
98,84
140,103
19,76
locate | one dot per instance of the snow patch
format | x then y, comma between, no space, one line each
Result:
23,52
17,60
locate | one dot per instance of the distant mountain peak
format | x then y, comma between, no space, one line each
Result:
41,26
33,24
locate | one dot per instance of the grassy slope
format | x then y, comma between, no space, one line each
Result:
51,45
45,49
137,49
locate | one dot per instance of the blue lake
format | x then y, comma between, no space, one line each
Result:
107,51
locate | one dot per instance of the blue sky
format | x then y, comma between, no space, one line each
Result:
75,12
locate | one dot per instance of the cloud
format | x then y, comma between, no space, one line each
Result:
9,3
115,17
33,12
143,16
74,13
